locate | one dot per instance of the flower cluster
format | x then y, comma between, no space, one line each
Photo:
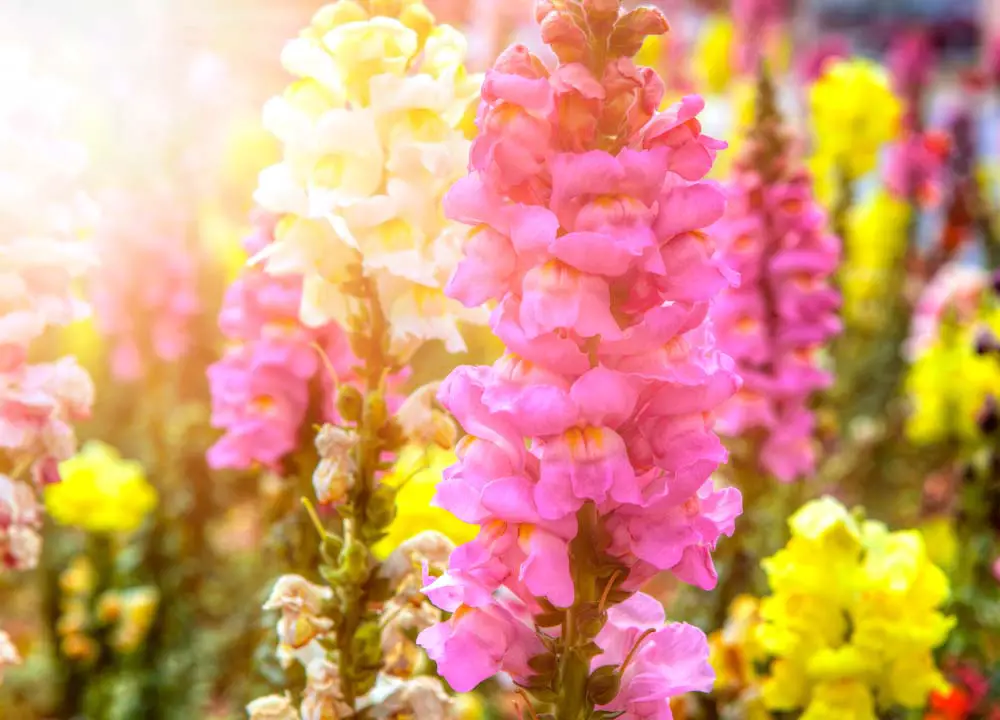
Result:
100,491
854,112
263,386
43,214
373,134
853,617
303,628
589,448
784,310
143,315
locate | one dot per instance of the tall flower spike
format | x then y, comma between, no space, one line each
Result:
589,445
784,310
373,136
374,132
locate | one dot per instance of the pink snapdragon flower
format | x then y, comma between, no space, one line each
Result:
785,309
669,661
145,288
588,207
263,385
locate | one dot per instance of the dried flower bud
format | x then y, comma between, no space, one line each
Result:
334,442
300,602
294,592
406,561
322,697
334,475
332,482
423,423
272,707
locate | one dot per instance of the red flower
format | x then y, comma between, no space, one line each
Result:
951,704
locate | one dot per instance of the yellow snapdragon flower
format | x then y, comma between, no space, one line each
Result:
100,491
853,114
876,237
853,618
417,473
374,131
943,409
734,652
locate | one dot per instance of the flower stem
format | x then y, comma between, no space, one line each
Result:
574,667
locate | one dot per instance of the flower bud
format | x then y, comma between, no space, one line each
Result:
603,685
349,403
567,40
633,28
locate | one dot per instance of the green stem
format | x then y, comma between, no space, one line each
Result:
574,665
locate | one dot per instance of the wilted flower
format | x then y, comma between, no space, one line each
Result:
423,422
427,550
334,474
322,698
301,603
420,697
272,707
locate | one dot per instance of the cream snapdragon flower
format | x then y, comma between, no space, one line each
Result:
374,131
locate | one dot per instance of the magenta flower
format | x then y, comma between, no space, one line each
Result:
589,210
785,309
261,388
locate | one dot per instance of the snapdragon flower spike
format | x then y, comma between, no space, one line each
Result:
589,449
261,387
784,310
